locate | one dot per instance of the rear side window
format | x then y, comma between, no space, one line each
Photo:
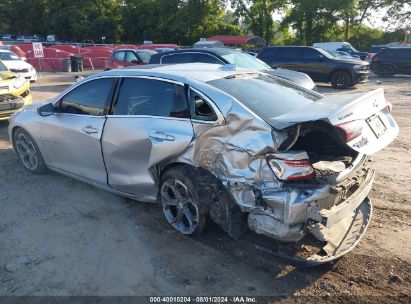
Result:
141,96
386,52
178,58
289,53
90,98
201,109
404,53
269,53
310,54
376,49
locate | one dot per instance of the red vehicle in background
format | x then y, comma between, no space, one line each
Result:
127,57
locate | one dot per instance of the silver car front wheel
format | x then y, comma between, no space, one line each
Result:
28,152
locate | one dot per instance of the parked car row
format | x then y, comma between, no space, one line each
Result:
28,39
393,60
319,64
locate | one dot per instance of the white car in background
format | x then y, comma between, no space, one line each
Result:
17,65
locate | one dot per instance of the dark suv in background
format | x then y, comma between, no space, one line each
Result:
222,55
390,61
318,63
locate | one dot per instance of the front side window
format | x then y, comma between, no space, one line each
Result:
142,96
90,98
120,56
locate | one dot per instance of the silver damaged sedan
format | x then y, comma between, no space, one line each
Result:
240,147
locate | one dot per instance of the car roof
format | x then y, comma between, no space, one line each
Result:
137,50
181,72
289,46
212,50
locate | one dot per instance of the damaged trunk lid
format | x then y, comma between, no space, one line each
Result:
363,119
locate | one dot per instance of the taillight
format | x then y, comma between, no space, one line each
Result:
291,169
375,59
369,56
389,107
351,129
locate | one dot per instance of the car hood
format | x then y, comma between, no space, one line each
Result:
16,64
299,78
351,60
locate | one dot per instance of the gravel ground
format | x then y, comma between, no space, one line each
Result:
63,237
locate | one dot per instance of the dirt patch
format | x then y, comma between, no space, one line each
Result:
63,237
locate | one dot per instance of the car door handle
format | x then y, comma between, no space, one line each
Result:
89,130
162,136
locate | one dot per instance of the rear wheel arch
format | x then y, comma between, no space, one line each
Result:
386,69
214,198
13,133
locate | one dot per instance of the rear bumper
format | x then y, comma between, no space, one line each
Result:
292,211
338,229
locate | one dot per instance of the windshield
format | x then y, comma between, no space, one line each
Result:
246,61
8,56
326,53
349,46
2,67
145,55
266,96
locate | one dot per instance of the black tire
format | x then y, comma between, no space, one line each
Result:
28,152
386,70
340,80
182,201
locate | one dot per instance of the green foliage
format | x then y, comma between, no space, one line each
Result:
182,21
185,21
257,16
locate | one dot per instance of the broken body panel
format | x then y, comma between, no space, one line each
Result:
236,149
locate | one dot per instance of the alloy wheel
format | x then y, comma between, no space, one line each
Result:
387,71
340,80
179,206
27,151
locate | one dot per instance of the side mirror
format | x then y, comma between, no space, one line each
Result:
135,61
320,57
46,110
274,66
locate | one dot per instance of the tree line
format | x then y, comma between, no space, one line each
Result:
185,21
